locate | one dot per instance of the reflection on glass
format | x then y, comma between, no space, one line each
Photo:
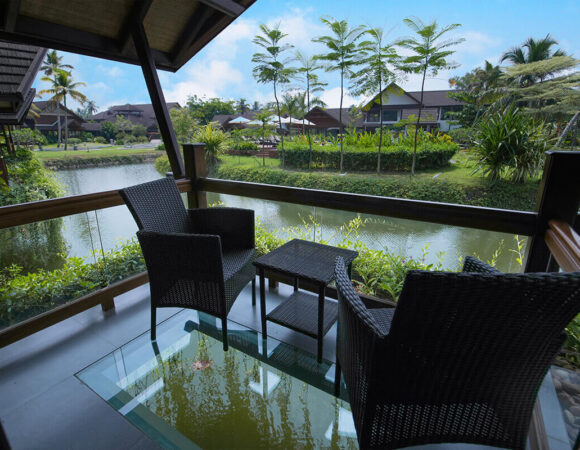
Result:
186,391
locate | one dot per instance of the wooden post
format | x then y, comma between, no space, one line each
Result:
558,198
157,99
195,168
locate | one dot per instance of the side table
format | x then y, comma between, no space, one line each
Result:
311,262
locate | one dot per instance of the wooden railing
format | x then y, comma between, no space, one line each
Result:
532,224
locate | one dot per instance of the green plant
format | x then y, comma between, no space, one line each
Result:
99,140
215,140
74,141
27,136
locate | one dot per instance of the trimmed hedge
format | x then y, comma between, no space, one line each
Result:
393,158
502,195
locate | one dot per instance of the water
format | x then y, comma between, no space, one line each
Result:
402,236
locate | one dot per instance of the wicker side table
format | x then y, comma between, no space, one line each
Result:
301,312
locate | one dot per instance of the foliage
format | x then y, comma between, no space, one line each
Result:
122,124
429,55
108,130
215,140
184,124
203,110
27,136
461,136
508,140
139,130
342,55
501,194
162,165
39,244
23,295
74,141
245,146
271,66
100,139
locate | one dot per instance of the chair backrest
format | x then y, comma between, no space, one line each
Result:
157,206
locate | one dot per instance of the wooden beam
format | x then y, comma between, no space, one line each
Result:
190,32
11,15
158,100
558,199
136,15
228,7
503,220
564,245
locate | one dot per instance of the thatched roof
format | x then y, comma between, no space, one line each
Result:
19,65
176,29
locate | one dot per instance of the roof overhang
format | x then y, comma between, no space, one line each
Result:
176,29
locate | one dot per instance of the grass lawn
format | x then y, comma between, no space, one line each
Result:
248,161
105,152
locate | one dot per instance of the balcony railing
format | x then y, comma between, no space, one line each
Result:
558,203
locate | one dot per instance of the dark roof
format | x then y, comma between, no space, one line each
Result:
436,98
223,119
175,30
334,113
48,114
19,65
91,126
142,114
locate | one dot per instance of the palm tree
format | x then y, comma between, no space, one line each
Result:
62,87
291,106
51,65
308,68
376,74
341,56
429,57
532,51
91,107
242,106
263,116
271,66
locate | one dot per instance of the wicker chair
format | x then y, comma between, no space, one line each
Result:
199,258
460,359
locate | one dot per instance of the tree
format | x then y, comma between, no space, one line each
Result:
52,64
204,110
271,66
264,116
290,106
341,56
123,124
256,106
375,74
139,130
184,124
108,130
62,87
429,57
308,68
242,106
532,51
91,107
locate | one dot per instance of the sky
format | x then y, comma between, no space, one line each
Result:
224,68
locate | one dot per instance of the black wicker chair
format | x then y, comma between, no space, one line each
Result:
460,359
198,258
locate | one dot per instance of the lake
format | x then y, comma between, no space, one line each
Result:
106,228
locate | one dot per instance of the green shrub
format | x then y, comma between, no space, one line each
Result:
162,165
499,195
510,141
161,146
393,158
461,136
215,140
74,141
27,136
100,140
247,146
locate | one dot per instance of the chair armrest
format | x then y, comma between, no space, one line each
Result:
235,226
472,264
175,256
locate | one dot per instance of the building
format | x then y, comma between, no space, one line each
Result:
138,114
47,117
399,104
327,121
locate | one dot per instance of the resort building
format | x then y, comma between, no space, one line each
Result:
327,121
46,116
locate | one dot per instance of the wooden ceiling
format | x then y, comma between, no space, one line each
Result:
176,29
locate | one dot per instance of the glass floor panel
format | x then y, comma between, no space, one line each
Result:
186,392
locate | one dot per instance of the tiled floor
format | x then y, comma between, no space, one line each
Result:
43,405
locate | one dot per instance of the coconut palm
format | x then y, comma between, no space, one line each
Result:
52,64
290,106
263,117
271,66
532,51
91,107
308,68
376,74
429,56
341,56
62,87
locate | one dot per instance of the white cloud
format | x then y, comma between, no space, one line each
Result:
332,98
211,79
477,43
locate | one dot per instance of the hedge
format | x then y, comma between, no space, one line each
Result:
502,195
393,158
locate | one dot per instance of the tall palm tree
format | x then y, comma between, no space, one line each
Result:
341,56
290,106
91,107
271,65
376,74
532,51
52,64
308,68
62,87
429,56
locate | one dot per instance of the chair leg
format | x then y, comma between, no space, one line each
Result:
337,379
153,322
254,291
225,333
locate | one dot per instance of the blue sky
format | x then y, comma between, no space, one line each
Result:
224,69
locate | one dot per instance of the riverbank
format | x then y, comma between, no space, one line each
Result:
79,159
